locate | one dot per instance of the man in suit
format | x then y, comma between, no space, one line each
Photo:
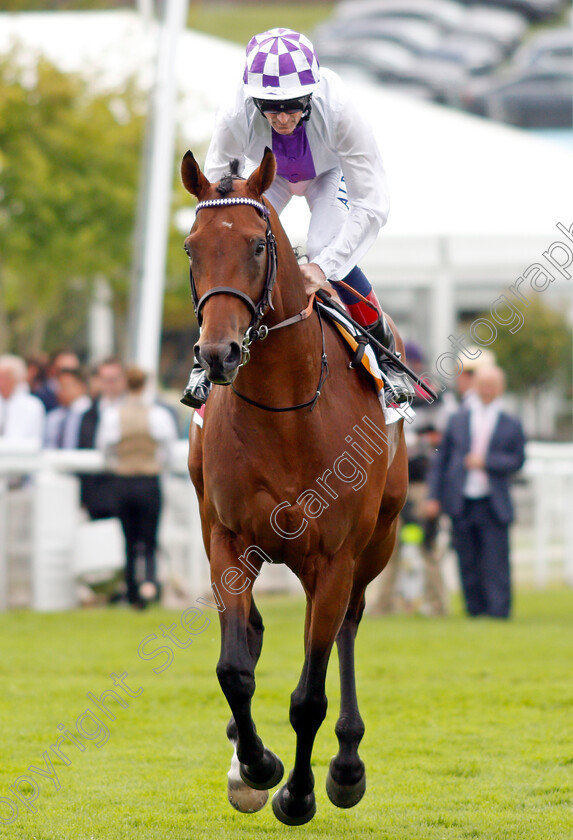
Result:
482,447
98,490
63,423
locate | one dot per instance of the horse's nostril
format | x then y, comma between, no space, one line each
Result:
220,360
233,357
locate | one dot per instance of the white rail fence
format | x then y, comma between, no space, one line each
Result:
48,547
549,473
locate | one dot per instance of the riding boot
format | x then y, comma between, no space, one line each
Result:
397,388
198,388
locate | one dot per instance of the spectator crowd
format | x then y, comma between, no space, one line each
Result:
463,450
58,405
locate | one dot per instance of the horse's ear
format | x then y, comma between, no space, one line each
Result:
262,178
193,179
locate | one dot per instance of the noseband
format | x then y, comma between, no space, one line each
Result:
257,310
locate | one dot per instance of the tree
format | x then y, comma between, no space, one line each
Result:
69,167
537,360
537,354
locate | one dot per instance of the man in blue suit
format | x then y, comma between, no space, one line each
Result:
482,447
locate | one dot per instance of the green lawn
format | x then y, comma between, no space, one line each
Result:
468,726
240,22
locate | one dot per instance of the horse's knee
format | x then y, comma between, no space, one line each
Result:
236,682
307,710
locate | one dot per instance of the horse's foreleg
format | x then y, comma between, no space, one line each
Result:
241,796
346,779
241,640
259,768
294,803
255,630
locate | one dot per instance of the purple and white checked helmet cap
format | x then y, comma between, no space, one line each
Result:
281,64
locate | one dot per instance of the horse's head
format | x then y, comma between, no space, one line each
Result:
232,256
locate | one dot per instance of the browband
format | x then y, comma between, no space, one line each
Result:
229,202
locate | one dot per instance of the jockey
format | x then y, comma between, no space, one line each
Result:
326,151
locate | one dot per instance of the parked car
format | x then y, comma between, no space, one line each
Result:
545,48
505,27
446,13
475,55
389,63
421,38
533,97
500,25
533,10
443,79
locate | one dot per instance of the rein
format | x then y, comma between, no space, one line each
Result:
323,370
257,331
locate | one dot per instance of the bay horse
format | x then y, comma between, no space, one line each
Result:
276,480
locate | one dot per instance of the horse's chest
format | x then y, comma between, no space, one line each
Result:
283,501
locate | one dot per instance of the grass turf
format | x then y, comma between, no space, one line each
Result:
467,726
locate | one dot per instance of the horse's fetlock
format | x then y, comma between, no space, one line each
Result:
350,729
254,755
300,785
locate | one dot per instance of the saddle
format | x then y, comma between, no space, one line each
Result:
363,352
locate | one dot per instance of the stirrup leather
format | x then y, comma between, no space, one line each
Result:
398,387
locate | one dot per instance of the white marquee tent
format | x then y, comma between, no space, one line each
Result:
473,203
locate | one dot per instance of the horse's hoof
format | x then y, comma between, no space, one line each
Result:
265,774
344,796
244,798
291,811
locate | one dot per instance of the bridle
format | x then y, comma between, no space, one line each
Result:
257,331
257,310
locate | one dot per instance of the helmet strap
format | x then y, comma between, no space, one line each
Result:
307,110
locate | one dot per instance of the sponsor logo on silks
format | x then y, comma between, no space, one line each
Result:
342,194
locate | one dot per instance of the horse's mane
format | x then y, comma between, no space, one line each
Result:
226,183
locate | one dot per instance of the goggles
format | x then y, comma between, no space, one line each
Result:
285,106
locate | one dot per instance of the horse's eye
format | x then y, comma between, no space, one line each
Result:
186,249
260,249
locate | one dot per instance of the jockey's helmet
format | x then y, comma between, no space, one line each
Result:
281,65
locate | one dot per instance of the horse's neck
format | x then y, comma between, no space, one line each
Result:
289,354
289,296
